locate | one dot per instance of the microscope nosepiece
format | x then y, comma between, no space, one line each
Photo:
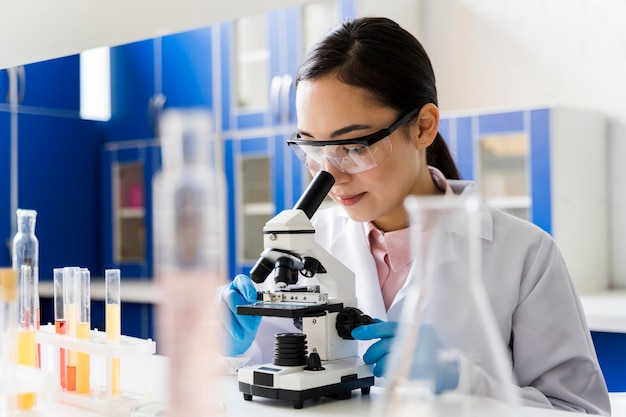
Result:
286,273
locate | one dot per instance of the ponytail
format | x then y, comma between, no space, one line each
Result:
438,155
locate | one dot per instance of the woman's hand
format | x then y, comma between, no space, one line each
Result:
241,329
426,362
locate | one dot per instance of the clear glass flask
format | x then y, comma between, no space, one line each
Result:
448,356
189,237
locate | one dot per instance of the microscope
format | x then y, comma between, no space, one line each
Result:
322,361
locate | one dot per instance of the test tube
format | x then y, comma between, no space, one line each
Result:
83,328
60,322
27,331
8,342
113,326
70,310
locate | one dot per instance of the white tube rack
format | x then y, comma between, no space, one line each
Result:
20,379
98,399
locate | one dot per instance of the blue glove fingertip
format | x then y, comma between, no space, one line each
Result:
358,332
243,284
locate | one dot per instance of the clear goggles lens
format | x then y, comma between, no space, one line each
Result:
350,158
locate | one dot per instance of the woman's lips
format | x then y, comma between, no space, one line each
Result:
349,200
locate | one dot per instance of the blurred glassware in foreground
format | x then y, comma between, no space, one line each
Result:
189,235
448,357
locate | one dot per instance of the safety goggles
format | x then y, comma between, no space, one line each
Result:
351,156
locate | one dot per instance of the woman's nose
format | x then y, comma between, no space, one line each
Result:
329,166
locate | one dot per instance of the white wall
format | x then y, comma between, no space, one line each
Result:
36,30
520,53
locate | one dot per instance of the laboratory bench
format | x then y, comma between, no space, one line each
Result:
605,312
149,375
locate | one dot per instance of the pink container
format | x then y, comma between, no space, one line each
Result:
135,196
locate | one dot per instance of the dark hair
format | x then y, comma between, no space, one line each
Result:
378,55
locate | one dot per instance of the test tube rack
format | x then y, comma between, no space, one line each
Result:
99,399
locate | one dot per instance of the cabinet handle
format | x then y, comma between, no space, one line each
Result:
17,80
155,108
285,95
275,87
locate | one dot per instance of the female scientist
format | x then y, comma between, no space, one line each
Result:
370,79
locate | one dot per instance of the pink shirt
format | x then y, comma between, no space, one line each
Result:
392,252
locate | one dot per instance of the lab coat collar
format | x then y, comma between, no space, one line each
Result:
346,244
461,187
352,240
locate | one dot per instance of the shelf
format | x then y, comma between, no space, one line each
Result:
259,209
132,291
132,213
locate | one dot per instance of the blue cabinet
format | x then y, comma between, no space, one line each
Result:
179,68
259,58
546,165
127,171
5,188
57,176
51,85
261,182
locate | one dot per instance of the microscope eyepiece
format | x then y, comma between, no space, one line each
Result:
315,193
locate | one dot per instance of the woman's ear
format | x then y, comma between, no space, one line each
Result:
428,123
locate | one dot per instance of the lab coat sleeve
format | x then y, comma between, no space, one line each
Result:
553,354
229,365
262,349
554,361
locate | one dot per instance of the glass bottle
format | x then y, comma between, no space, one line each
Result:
26,254
189,239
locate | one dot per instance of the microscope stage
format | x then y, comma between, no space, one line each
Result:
286,309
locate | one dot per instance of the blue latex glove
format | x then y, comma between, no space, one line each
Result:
242,329
425,365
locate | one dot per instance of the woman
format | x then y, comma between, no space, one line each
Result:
368,90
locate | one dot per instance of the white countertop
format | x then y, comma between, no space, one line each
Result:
606,311
149,374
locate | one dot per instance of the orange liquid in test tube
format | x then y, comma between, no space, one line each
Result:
70,313
61,329
60,323
71,357
82,361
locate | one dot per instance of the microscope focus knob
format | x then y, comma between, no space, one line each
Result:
350,318
314,362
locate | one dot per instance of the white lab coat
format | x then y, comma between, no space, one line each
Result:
535,304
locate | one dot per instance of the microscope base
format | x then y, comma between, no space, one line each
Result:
297,385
